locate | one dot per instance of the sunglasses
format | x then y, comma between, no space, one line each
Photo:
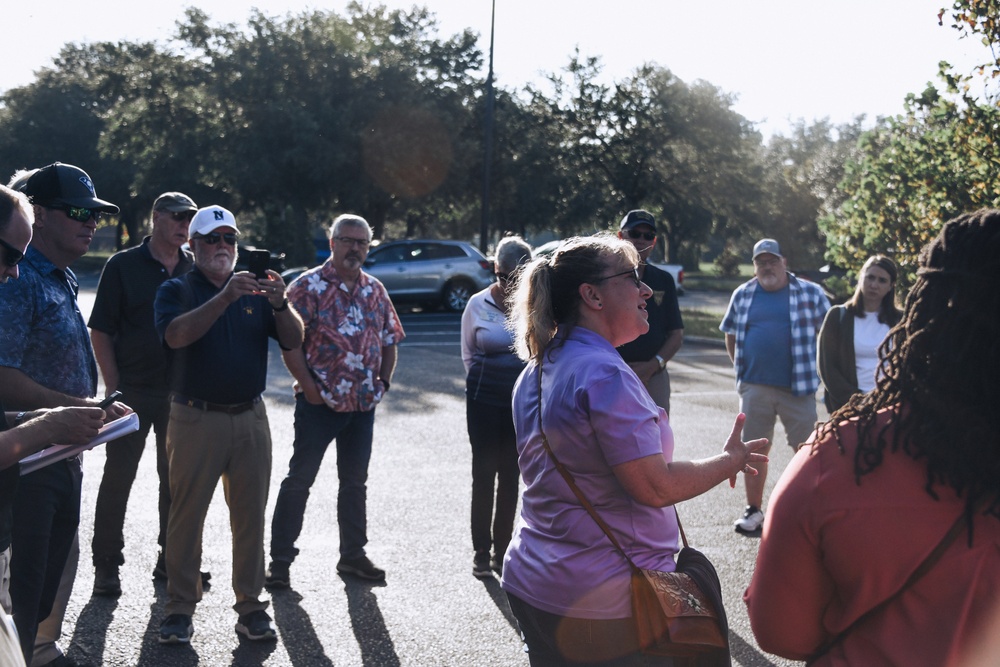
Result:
636,234
180,216
11,255
348,241
78,213
215,237
632,273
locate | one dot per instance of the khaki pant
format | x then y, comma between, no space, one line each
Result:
203,447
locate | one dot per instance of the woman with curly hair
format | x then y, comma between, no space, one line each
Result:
849,570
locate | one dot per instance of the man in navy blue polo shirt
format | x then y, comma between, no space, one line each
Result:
132,361
216,325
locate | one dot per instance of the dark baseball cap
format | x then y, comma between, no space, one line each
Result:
67,185
636,218
175,202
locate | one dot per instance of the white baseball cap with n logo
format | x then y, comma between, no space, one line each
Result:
210,218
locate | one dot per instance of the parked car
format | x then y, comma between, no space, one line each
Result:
430,272
676,271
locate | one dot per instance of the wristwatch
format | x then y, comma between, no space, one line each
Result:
662,362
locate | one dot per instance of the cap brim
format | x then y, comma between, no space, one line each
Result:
91,203
177,208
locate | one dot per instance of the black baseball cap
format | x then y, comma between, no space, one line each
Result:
65,184
636,218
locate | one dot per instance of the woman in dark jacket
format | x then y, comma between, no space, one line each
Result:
851,335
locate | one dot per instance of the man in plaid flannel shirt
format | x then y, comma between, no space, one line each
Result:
771,326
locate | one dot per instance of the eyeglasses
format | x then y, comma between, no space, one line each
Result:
760,261
347,240
78,213
180,216
636,234
215,237
633,273
11,255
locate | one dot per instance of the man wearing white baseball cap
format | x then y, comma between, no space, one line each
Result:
215,325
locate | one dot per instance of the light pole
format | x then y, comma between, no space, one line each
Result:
484,225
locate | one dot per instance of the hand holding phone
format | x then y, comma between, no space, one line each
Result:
111,398
259,263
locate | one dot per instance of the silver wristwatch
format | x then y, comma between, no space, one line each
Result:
662,362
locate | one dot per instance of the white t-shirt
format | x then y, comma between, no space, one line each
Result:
868,335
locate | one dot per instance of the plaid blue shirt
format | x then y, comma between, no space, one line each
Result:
807,306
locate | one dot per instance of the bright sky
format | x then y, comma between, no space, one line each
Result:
785,59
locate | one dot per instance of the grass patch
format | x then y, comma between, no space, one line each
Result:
700,323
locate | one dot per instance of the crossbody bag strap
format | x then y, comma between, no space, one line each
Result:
568,476
925,566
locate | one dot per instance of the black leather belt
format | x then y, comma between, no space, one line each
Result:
229,409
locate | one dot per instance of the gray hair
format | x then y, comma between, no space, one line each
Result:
351,221
512,251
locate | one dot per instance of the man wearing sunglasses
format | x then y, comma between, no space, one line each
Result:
215,325
46,361
133,361
648,354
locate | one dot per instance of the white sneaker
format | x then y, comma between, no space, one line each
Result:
751,521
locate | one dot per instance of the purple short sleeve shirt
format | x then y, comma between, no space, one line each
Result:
596,415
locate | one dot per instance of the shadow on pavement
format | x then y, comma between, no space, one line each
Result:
377,649
88,645
296,631
500,600
746,653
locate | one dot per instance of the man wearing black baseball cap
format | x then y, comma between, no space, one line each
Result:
46,361
648,354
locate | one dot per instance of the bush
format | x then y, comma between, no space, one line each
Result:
727,264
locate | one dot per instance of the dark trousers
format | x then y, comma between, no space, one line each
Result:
561,641
494,460
46,515
316,426
123,456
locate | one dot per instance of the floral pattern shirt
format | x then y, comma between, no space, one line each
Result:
345,332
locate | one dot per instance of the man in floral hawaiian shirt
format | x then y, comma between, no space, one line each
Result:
342,371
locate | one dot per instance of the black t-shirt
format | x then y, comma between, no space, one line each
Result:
123,309
8,487
229,363
664,316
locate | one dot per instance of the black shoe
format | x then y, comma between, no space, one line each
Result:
106,581
176,629
361,567
256,626
481,567
277,575
496,564
160,569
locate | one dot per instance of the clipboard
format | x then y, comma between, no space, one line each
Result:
110,431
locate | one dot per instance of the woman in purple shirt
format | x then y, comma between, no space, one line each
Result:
567,585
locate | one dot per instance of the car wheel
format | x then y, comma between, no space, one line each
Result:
456,295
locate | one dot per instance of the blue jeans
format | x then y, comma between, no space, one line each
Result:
46,515
316,426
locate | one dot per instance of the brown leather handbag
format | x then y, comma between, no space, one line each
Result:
678,613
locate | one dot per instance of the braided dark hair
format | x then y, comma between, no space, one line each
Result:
940,369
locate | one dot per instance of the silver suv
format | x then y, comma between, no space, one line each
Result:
430,272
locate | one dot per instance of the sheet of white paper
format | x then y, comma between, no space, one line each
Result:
110,431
